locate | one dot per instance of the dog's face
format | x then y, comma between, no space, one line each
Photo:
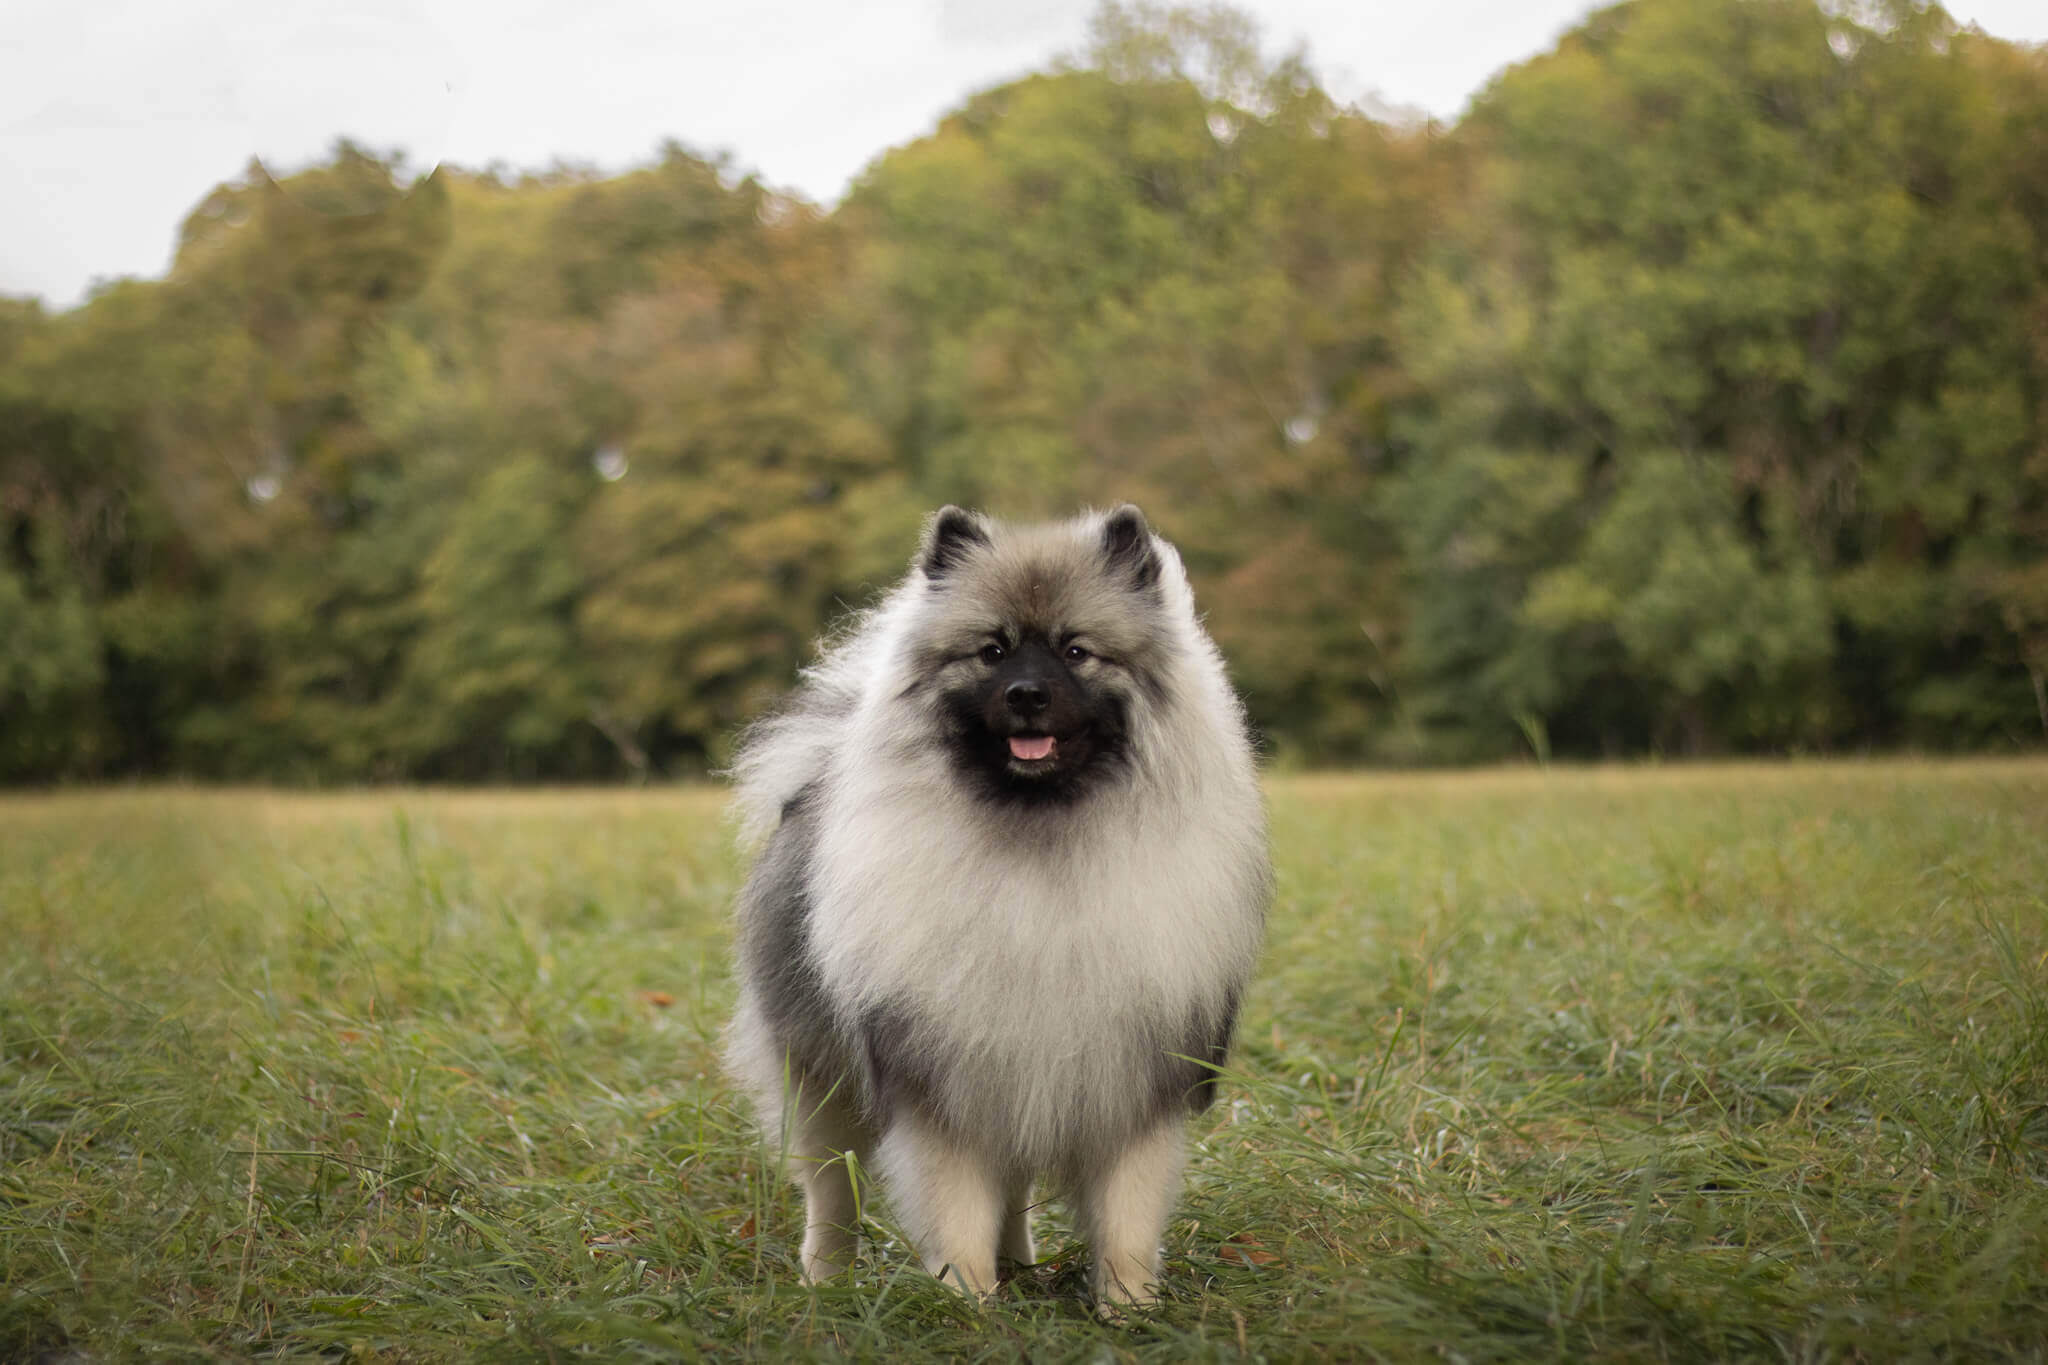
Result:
1039,648
1034,724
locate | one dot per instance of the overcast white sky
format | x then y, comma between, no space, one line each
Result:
117,116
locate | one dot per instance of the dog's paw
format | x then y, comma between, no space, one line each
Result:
1119,1299
1125,1312
977,1285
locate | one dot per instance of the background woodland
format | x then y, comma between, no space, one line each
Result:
1688,396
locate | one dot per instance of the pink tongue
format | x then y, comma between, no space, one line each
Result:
1031,746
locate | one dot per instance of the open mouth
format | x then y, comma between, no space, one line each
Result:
1033,749
1040,765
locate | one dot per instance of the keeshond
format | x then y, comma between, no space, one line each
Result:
1013,883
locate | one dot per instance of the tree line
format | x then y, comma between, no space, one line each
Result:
1688,395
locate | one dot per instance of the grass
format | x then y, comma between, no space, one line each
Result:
1648,1064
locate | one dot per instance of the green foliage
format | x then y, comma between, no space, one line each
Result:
1744,272
496,662
1665,580
1688,395
1693,1063
50,668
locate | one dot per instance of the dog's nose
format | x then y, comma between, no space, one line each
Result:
1027,698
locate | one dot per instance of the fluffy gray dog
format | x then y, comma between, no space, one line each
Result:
1013,883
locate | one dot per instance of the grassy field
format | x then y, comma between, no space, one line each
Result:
1651,1064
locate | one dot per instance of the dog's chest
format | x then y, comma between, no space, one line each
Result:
1058,949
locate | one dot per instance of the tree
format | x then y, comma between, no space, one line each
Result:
495,683
1691,393
1784,246
1704,627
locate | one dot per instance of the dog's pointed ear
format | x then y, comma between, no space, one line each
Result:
1127,545
949,537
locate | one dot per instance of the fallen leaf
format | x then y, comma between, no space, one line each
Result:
1244,1249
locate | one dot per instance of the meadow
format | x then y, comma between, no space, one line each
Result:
1652,1063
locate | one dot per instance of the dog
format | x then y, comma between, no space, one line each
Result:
1011,883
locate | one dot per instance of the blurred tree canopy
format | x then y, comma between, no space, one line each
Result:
1689,395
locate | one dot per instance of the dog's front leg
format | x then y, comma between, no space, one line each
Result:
949,1199
1123,1207
1016,1245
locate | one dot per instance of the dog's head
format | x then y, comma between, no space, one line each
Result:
1039,646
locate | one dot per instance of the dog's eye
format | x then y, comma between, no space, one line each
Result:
1075,654
992,653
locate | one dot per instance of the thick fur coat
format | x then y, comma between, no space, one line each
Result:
1010,887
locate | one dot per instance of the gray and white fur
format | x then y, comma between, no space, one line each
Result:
1010,887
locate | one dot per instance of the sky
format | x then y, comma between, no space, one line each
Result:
118,116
